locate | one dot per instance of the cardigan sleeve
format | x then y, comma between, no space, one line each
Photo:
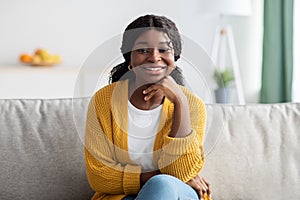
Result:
184,157
105,174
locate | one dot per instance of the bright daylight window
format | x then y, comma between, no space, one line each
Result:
296,73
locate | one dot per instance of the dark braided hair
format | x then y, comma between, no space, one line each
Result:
133,31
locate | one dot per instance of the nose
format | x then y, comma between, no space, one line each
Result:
154,55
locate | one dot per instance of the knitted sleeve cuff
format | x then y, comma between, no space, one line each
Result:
179,146
131,179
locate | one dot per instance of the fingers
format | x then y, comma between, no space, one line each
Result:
150,89
156,89
202,189
155,86
205,186
149,94
201,186
208,188
168,88
201,195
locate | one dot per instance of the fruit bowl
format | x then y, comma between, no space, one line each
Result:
42,64
41,57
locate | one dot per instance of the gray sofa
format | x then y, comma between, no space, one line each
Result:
252,151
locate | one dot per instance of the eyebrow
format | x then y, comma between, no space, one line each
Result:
142,42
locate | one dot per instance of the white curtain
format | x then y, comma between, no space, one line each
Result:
296,73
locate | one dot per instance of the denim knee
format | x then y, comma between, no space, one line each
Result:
162,178
162,187
158,187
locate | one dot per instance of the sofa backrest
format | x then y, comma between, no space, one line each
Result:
41,151
252,151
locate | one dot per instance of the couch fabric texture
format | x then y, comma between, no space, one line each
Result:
252,151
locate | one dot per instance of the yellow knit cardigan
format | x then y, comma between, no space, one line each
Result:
110,172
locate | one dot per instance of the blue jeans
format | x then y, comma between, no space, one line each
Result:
162,187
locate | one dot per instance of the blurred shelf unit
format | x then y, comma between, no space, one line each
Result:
20,81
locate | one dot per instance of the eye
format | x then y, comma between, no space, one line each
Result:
164,50
143,50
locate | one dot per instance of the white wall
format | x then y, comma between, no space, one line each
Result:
74,28
296,69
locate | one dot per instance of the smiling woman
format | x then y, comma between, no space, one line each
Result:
152,57
135,30
144,131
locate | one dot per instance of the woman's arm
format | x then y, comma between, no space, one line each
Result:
182,154
104,172
167,87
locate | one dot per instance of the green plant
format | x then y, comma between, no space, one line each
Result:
224,78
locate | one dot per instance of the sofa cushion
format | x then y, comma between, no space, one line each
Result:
253,151
41,150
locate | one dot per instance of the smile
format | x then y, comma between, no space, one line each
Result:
155,68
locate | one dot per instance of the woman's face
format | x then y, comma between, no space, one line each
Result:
152,56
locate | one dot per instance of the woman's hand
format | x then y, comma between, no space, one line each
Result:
167,87
200,185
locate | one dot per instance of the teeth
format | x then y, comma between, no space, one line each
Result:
154,69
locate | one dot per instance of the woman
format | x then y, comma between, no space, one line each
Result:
144,131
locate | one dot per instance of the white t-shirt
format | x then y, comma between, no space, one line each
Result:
142,130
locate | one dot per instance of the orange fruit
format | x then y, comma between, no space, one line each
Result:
25,58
